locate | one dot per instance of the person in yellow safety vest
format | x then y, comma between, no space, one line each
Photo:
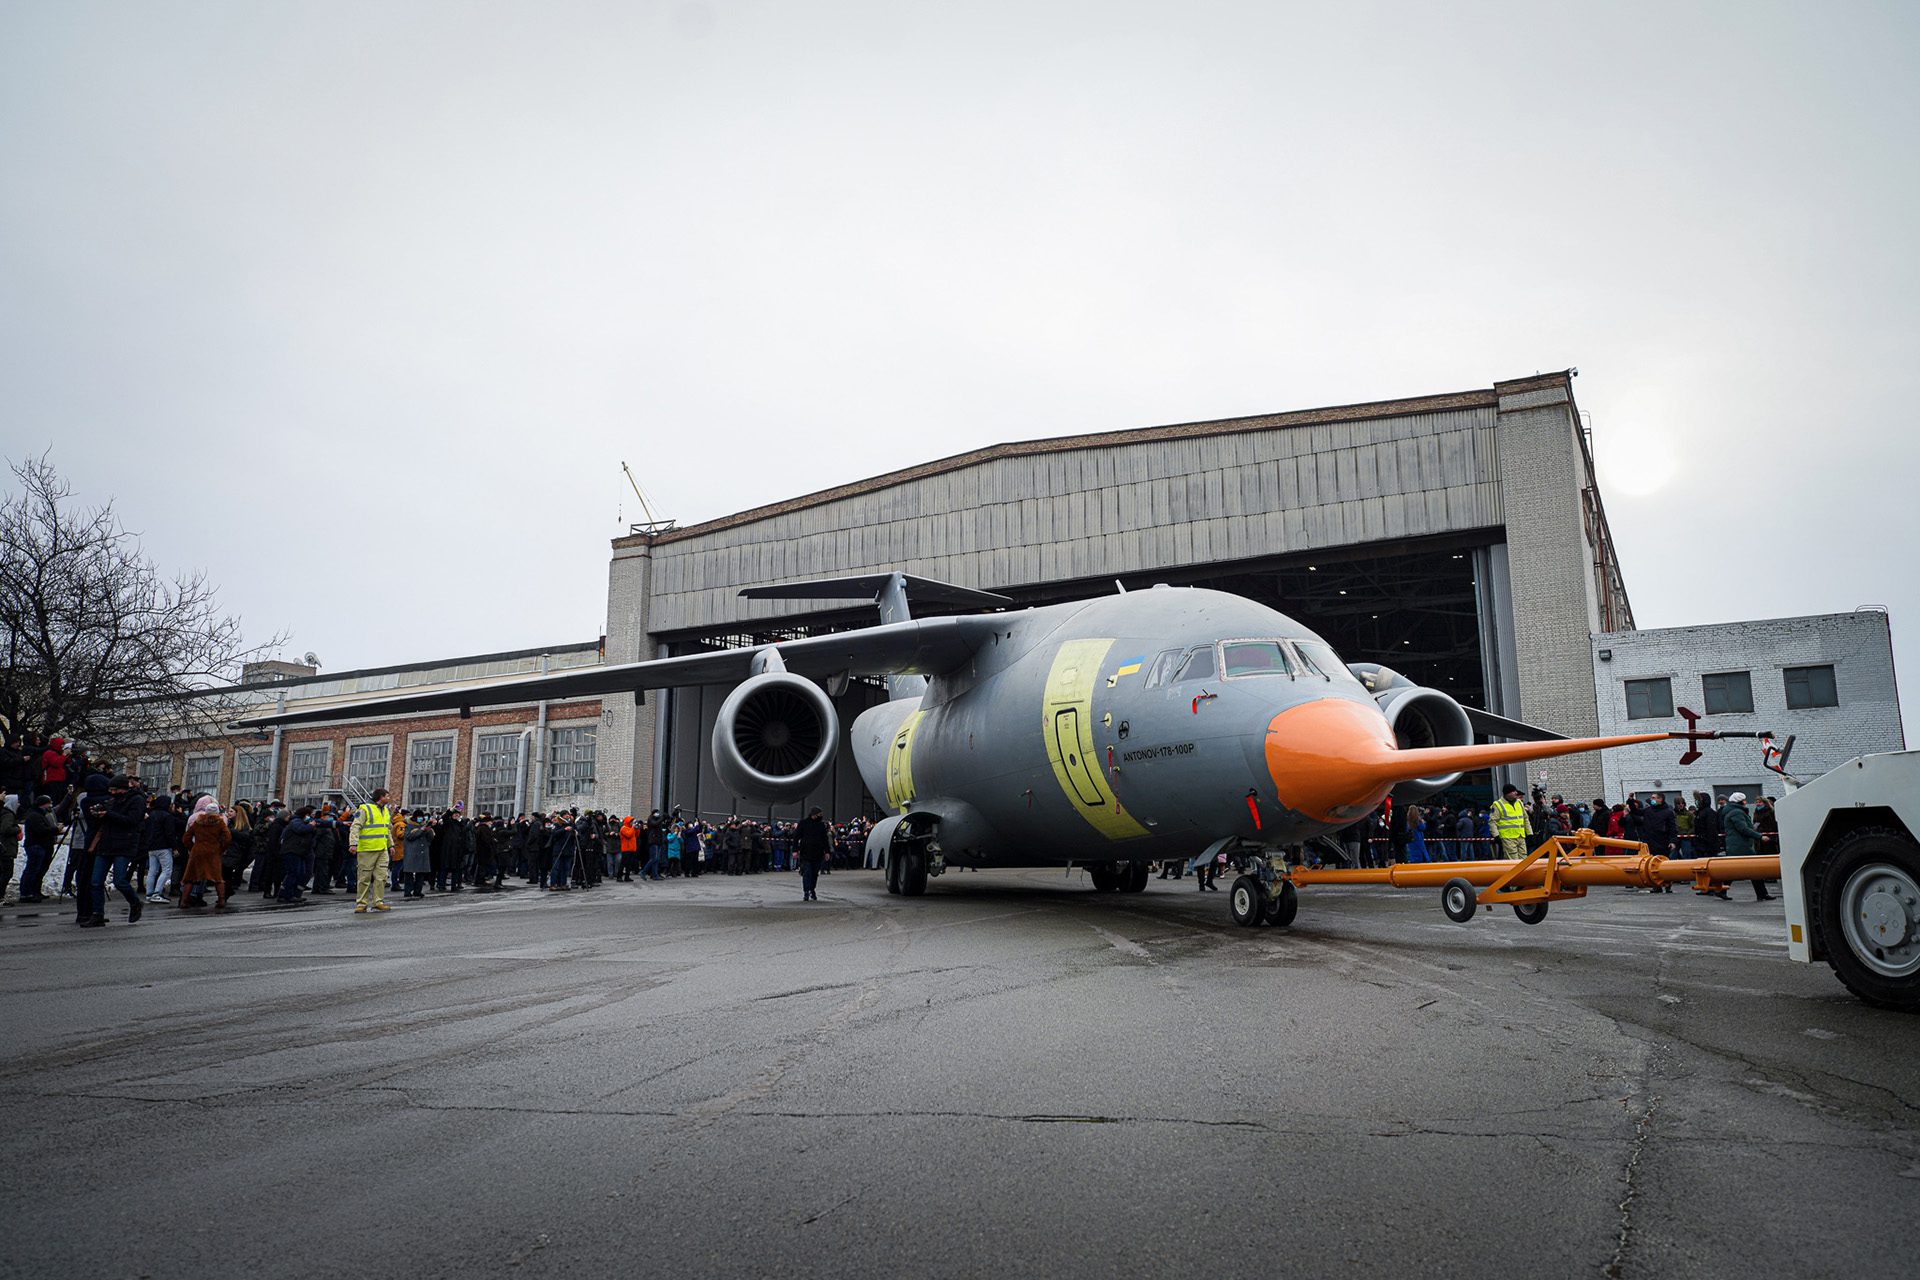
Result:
1511,826
371,836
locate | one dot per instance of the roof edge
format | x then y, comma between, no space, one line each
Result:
1362,412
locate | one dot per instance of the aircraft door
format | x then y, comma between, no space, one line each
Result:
1066,741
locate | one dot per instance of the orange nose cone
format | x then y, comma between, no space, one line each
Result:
1333,760
1326,758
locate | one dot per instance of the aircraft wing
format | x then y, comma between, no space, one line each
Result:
1493,726
928,647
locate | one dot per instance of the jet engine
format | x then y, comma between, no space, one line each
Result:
1419,717
775,737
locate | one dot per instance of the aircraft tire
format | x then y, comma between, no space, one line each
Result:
1283,906
1460,900
1530,912
913,875
1103,877
893,871
1247,902
1133,877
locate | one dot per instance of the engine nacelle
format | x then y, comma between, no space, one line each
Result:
1422,717
775,738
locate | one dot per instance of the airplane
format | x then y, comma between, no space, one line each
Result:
1106,733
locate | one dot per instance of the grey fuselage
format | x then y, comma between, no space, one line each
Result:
1070,738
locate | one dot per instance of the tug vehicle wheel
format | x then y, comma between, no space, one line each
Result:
1460,900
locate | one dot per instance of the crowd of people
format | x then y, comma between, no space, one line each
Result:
189,850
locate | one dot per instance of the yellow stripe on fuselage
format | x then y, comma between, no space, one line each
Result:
900,762
1066,726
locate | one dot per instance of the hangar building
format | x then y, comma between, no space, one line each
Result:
1459,538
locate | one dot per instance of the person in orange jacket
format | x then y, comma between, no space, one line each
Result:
629,847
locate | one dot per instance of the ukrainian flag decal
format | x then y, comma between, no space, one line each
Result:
1131,666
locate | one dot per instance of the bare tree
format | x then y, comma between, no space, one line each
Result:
99,644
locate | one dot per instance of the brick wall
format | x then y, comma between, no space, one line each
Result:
1868,719
397,732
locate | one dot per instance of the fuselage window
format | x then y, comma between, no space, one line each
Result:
1199,665
1256,658
1163,667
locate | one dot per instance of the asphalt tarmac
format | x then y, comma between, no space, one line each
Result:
1011,1076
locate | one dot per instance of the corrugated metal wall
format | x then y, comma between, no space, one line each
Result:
1092,512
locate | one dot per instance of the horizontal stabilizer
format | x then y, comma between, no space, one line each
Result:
1493,726
867,586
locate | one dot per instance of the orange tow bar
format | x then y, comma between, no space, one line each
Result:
1561,867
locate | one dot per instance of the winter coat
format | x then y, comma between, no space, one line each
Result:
813,839
1737,828
486,848
9,834
206,838
418,859
121,825
298,838
42,828
629,837
1657,828
16,777
160,829
53,762
1706,831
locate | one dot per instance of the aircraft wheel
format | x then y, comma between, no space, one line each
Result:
893,871
1284,905
1530,912
1133,878
1460,900
913,874
1246,901
1104,879
1868,909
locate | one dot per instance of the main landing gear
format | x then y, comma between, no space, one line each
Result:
1118,877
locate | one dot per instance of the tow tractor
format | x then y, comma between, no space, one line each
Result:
1849,870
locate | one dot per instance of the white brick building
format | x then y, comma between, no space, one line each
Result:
1827,679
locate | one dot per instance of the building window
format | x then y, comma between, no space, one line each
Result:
430,773
251,774
367,767
1811,687
202,775
495,770
1649,699
157,773
307,774
570,758
1728,692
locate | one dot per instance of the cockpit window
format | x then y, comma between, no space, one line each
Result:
1319,656
1163,667
1256,658
1199,665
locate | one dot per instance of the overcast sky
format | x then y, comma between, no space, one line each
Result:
359,307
